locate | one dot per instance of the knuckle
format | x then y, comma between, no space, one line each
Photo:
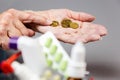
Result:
9,15
2,32
11,10
4,23
4,45
5,17
28,16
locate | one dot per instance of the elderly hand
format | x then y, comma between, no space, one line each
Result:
12,24
87,31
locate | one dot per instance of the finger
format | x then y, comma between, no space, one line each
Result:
3,38
31,32
93,37
5,43
5,19
81,16
4,23
102,30
28,17
95,28
14,32
33,18
43,29
21,27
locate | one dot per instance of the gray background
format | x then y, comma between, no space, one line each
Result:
103,57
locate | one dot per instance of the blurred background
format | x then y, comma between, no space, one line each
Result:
103,57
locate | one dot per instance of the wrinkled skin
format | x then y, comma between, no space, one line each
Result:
18,23
12,24
87,31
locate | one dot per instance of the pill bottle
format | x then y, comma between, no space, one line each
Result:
32,52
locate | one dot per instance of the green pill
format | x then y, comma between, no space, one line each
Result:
66,23
74,25
49,62
54,23
58,57
63,65
53,49
48,42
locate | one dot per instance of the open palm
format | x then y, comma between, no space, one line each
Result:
87,31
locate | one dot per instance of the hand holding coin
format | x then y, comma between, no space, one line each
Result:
70,26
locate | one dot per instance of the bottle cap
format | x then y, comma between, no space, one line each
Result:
6,65
77,64
13,43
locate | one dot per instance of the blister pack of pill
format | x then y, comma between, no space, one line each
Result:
56,56
50,74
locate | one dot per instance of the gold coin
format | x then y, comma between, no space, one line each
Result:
54,23
74,25
66,23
